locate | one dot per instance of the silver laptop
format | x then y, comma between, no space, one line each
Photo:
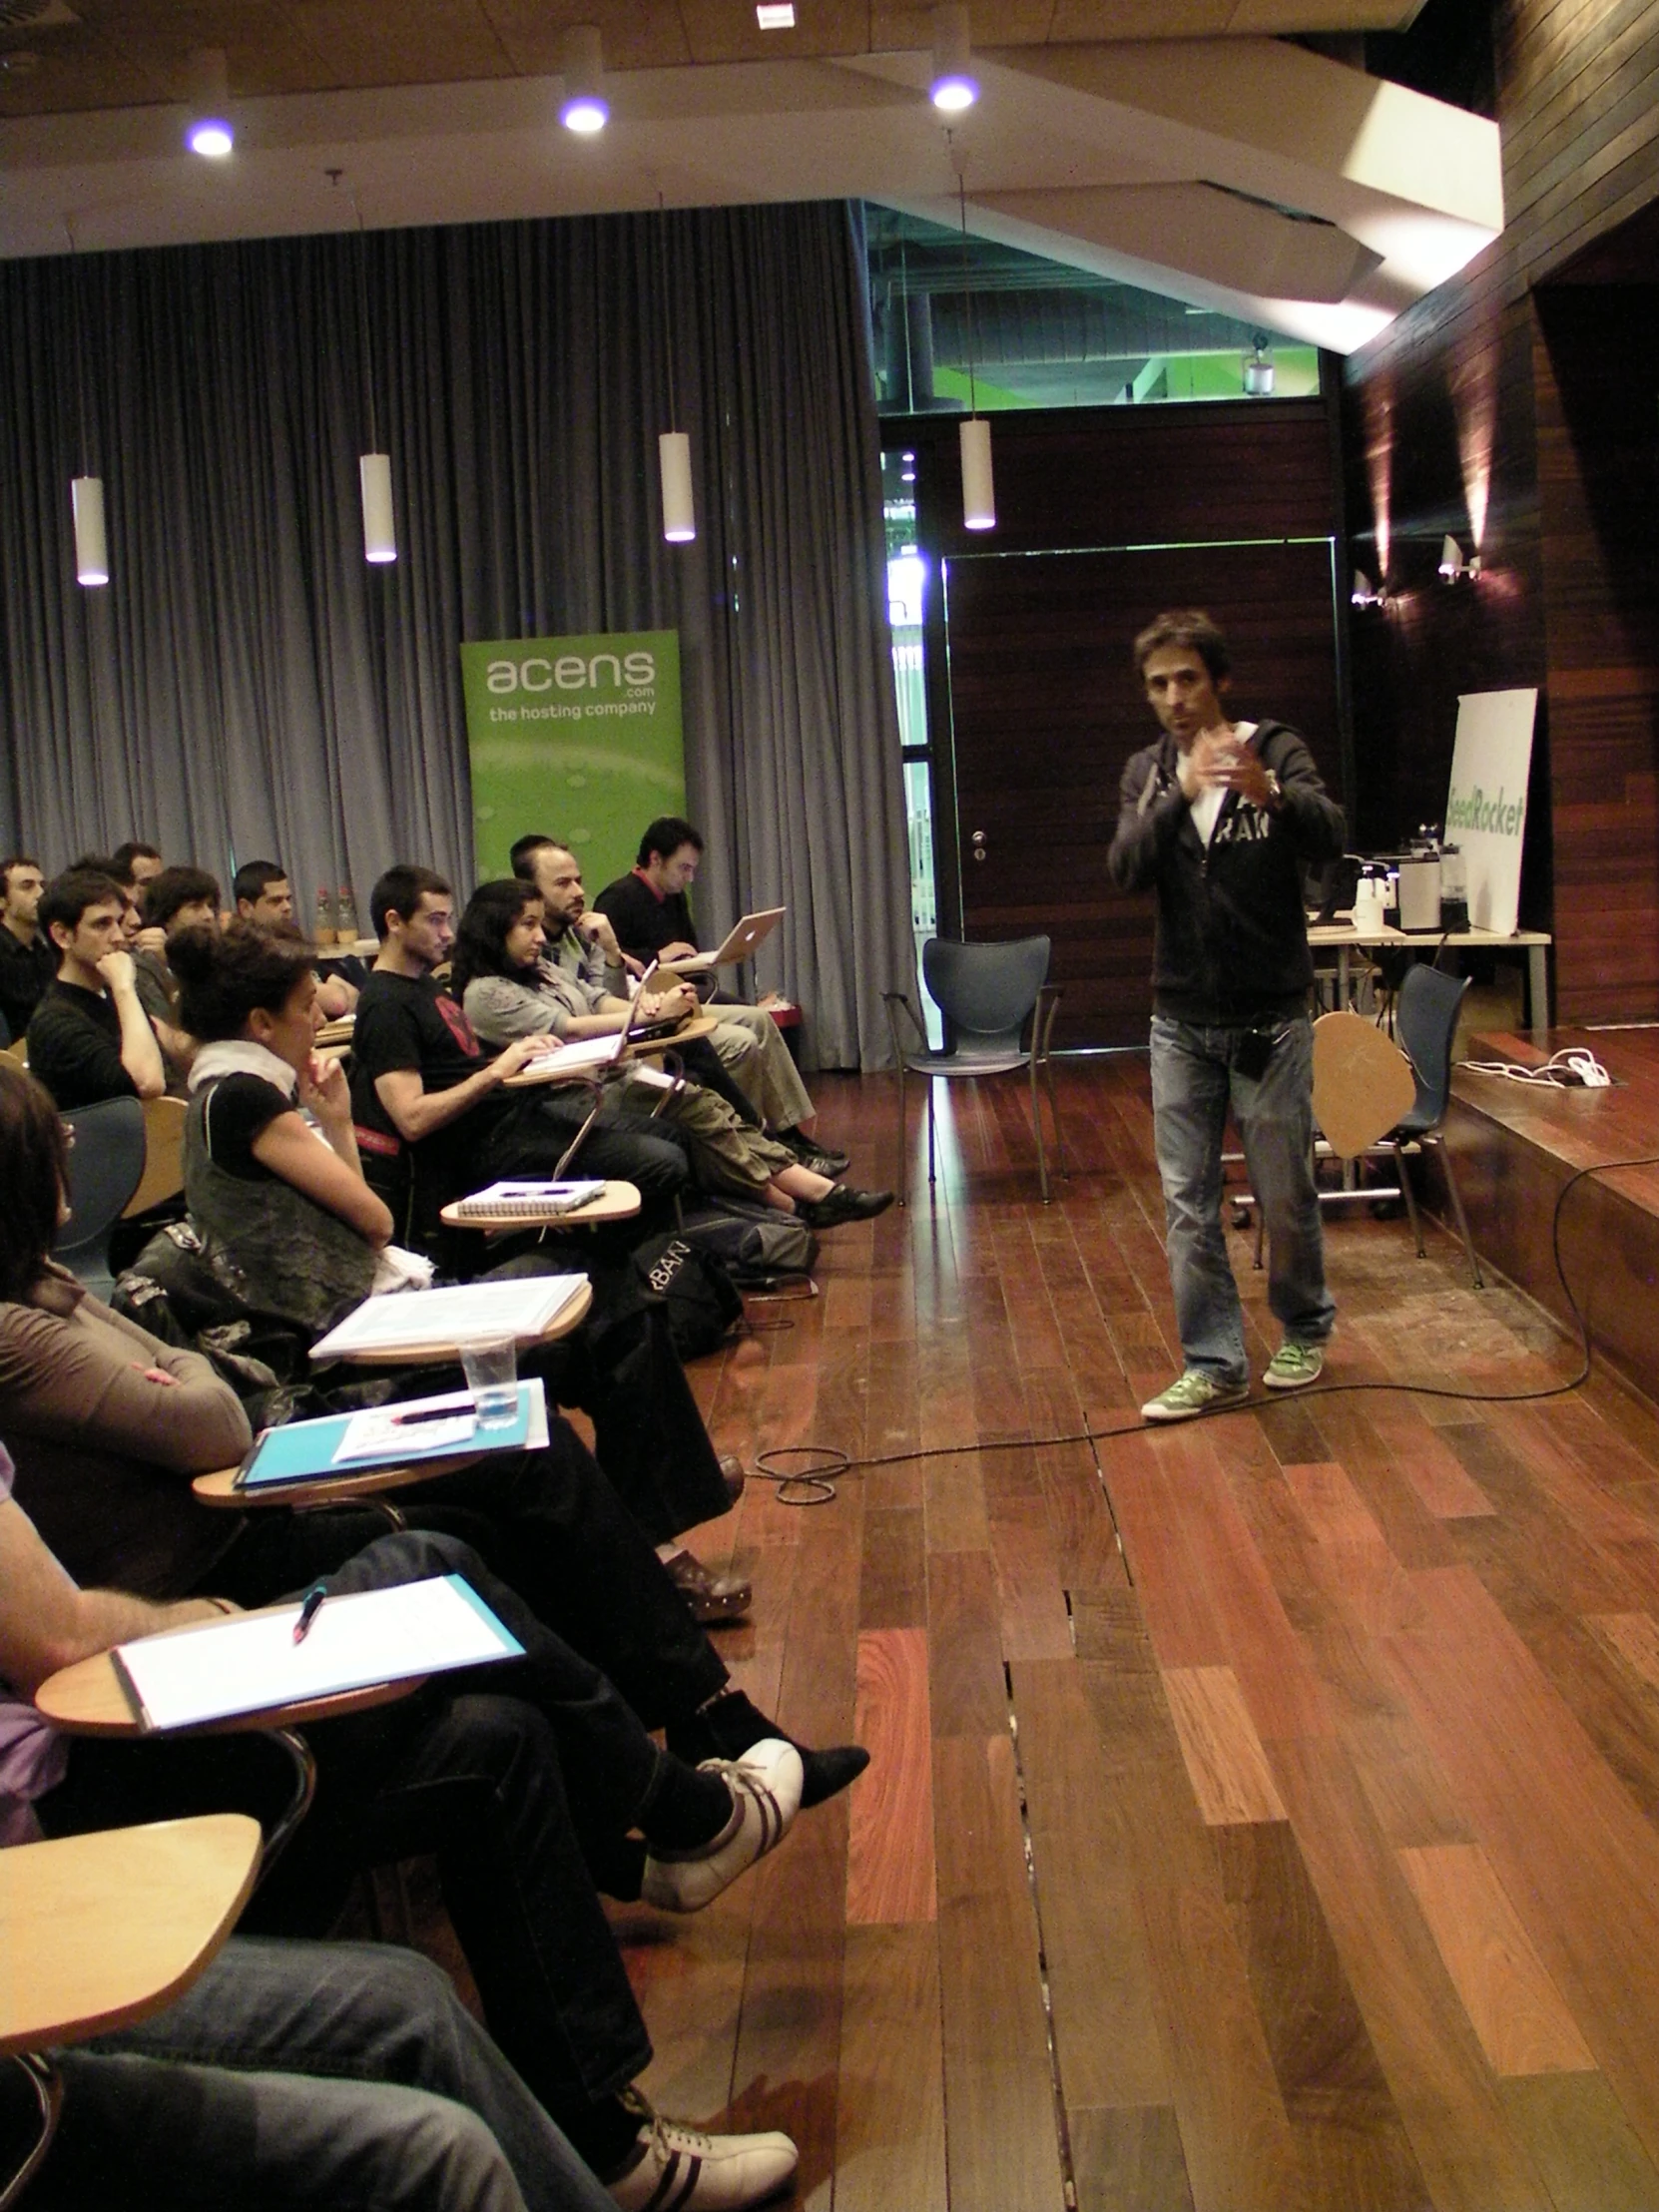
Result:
753,930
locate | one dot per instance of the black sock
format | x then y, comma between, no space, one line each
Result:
603,2135
684,1808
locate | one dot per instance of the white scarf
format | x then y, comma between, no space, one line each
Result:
238,1056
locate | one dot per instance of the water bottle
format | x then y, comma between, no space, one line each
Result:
345,922
324,934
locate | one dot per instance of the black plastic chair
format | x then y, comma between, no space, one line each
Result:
987,993
105,1162
1426,1021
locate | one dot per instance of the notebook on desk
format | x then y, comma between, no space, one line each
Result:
418,1322
753,930
347,1443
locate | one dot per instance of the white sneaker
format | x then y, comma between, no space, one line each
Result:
766,1785
683,2171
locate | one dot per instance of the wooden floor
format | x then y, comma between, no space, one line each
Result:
1263,1813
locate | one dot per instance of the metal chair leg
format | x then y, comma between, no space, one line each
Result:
1462,1218
304,1788
44,2079
903,1143
1054,1109
932,1172
1037,1131
1410,1196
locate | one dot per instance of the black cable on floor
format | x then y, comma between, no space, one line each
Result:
837,1462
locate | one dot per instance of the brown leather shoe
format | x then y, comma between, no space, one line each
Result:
732,1474
711,1597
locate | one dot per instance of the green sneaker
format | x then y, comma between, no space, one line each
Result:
1292,1367
1192,1394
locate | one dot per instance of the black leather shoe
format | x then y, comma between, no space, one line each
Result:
732,1474
843,1204
823,1159
725,1729
711,1597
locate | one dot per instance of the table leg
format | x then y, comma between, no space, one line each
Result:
1537,987
304,1788
1344,1001
44,2079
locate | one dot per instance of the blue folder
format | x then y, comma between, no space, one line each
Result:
304,1449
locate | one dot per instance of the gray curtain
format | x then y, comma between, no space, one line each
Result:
247,685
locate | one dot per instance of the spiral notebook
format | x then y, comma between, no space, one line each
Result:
526,1201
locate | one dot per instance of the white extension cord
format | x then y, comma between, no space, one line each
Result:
1574,1067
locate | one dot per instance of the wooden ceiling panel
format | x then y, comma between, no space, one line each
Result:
1078,22
894,29
726,31
431,42
636,34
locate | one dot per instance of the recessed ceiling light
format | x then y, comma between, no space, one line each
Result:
775,15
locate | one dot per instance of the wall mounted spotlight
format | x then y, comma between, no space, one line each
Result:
954,86
1453,563
585,108
1258,367
775,15
1362,595
207,127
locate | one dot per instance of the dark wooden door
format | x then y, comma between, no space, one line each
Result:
1045,710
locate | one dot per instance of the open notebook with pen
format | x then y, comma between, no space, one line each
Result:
390,1435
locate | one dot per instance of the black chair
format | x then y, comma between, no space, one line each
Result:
987,993
105,1162
1425,1022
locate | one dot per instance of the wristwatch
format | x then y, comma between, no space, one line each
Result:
1276,792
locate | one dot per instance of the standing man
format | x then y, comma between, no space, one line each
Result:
1219,819
649,909
27,959
89,1037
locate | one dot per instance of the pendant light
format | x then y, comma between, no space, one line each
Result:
974,433
207,127
373,467
86,491
953,87
673,446
584,109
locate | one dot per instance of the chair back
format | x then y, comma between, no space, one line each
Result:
164,1155
1426,1020
105,1164
985,991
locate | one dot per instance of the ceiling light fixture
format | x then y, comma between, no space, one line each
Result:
975,434
775,15
954,86
373,467
673,446
86,492
585,110
207,127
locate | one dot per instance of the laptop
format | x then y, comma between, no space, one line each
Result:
753,930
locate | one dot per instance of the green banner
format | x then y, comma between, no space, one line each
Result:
579,738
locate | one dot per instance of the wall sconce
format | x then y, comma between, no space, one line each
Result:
585,108
1364,595
1453,563
953,85
1258,368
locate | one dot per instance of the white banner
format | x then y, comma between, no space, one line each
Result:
1486,812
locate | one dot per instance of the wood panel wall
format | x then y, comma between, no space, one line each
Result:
1490,411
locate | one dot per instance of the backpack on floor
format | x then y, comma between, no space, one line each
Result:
702,1303
755,1244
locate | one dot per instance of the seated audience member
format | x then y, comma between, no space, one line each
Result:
419,1078
264,897
650,911
108,1425
508,990
28,960
516,1776
89,1037
248,2085
136,864
178,899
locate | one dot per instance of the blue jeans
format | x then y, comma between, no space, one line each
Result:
340,2076
1195,1079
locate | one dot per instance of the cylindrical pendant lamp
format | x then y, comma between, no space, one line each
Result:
978,487
379,528
92,558
678,507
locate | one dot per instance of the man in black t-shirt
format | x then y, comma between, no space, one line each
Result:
28,960
89,1037
419,1076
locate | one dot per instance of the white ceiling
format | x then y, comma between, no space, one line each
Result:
1343,198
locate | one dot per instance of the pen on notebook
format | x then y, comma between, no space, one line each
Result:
308,1612
432,1412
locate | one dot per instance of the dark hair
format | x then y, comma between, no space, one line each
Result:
522,858
254,877
1190,626
67,897
125,855
224,975
665,836
34,1175
164,894
400,890
13,859
120,872
481,940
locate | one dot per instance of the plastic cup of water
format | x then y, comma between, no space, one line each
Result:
492,1368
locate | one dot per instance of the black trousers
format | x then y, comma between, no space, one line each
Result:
520,1778
549,1524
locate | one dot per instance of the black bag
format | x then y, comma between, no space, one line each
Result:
755,1244
702,1303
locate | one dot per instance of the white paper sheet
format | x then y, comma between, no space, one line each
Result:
254,1665
522,1306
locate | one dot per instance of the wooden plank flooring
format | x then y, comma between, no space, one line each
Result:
1264,1815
